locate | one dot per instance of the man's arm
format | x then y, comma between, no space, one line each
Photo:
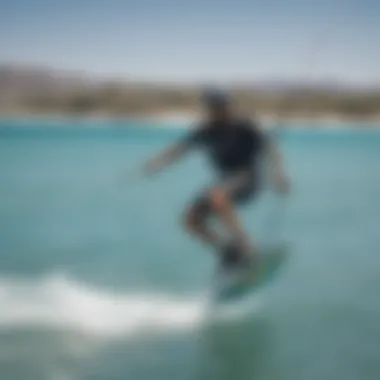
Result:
166,158
276,166
175,152
258,139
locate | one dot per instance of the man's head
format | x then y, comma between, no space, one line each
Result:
217,105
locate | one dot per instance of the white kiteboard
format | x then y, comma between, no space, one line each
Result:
233,284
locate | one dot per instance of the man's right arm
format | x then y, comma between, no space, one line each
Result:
169,156
172,154
277,166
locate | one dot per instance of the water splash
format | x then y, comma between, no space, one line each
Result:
60,302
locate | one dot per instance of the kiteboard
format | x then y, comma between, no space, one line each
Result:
235,283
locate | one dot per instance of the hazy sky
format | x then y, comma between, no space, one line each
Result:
197,39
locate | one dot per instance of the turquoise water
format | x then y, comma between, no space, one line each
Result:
99,281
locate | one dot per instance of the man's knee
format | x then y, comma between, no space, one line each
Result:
218,199
194,220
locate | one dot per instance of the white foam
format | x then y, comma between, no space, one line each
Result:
60,302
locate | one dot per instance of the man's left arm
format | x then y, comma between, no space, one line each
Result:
260,140
276,165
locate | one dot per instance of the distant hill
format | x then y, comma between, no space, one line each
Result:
23,81
43,90
34,79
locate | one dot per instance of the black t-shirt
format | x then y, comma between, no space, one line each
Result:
231,148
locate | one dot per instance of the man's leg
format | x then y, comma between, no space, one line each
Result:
232,250
235,189
196,222
224,209
220,203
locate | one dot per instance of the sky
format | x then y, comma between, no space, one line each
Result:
197,40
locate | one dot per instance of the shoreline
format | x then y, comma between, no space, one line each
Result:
185,120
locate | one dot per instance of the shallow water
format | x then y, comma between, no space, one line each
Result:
98,280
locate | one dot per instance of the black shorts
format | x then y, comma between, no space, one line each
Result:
240,187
